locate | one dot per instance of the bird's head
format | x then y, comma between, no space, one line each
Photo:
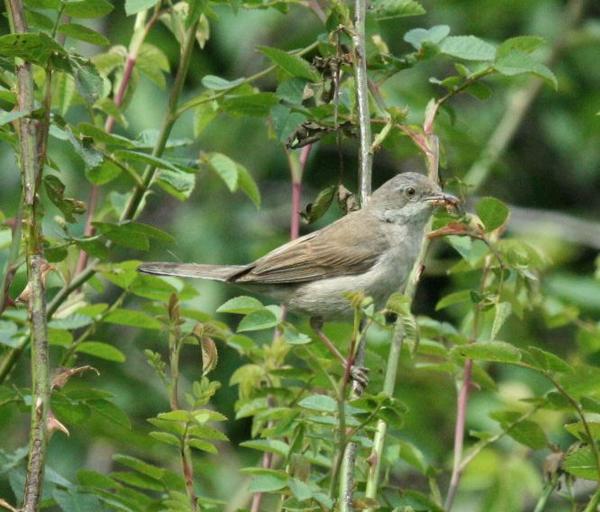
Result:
410,195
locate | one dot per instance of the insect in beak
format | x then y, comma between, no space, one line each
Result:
442,199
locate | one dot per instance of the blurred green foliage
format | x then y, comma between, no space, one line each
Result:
223,195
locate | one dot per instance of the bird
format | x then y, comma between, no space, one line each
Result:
372,250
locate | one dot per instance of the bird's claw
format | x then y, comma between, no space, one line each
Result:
360,377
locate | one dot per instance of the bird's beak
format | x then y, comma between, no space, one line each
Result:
443,199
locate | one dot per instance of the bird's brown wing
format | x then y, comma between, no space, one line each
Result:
336,250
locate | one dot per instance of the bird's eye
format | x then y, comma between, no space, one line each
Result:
410,191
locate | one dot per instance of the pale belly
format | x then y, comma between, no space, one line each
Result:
326,298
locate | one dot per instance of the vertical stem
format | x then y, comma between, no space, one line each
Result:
459,433
388,389
365,173
365,164
432,157
365,160
30,132
297,167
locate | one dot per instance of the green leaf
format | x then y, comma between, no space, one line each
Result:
216,83
248,185
63,93
266,480
581,463
132,318
319,207
56,192
179,184
546,361
205,446
518,62
525,44
83,33
285,122
9,117
492,212
468,48
165,437
268,445
123,235
292,336
73,501
140,466
497,351
419,36
502,311
453,298
226,168
258,320
293,64
153,63
101,136
33,47
101,350
153,161
577,429
389,9
256,105
242,304
135,6
526,432
110,412
300,489
88,82
322,403
87,8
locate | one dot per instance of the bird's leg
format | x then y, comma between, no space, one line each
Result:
357,373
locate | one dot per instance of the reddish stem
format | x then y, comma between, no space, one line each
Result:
88,230
459,433
296,172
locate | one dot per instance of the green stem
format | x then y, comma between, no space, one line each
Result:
592,505
389,384
136,198
546,493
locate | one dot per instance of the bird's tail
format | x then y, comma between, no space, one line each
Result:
214,272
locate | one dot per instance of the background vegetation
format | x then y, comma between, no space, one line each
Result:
186,392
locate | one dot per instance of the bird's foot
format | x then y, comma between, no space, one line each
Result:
360,378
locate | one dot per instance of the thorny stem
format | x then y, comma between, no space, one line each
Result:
30,133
